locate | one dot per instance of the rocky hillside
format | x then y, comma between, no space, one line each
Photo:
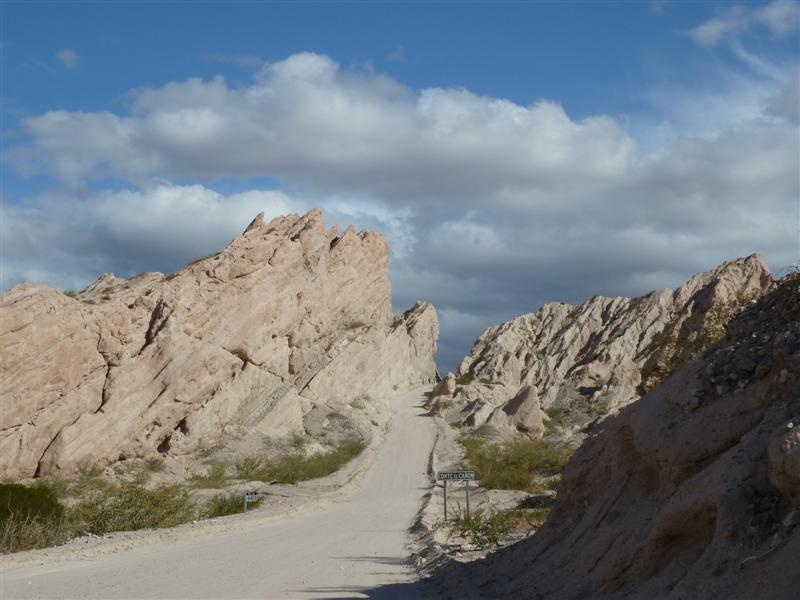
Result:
691,492
563,366
288,314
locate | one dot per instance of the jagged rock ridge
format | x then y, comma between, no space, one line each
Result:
289,310
580,362
691,492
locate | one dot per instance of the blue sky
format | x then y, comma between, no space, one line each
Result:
513,153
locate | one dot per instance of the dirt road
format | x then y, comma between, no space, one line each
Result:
355,547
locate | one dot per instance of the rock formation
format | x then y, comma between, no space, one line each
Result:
289,310
691,492
565,365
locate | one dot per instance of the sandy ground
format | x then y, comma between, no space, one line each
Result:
351,543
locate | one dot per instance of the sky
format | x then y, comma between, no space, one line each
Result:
512,153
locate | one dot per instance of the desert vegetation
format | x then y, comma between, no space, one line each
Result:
531,465
486,529
54,510
51,512
296,466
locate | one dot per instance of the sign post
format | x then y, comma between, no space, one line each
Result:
445,500
249,497
445,476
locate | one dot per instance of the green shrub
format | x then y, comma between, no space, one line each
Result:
466,379
298,467
154,464
129,506
27,502
252,468
298,441
226,504
70,293
89,469
19,532
486,530
214,479
514,465
60,486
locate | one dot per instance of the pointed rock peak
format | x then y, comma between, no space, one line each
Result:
315,214
256,223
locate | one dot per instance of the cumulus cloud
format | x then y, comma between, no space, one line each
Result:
66,241
779,17
304,118
68,58
491,207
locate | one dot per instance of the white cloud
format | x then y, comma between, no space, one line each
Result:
490,207
304,118
66,241
779,17
68,58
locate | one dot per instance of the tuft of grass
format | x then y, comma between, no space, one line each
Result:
129,506
251,468
89,479
297,467
466,379
60,486
215,478
154,464
89,469
171,276
298,441
70,293
222,505
514,465
487,529
19,532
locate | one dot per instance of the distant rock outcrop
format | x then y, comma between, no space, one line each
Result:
691,492
563,366
153,363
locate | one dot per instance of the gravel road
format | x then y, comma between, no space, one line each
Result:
355,547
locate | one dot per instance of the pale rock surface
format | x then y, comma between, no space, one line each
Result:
582,362
690,492
289,310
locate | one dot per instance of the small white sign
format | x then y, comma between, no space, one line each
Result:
455,475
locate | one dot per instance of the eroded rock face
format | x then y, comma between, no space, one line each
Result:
588,360
164,363
690,492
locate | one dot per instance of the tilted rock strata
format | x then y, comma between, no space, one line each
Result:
580,362
691,492
154,363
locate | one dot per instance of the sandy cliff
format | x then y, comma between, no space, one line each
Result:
691,492
566,365
288,312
